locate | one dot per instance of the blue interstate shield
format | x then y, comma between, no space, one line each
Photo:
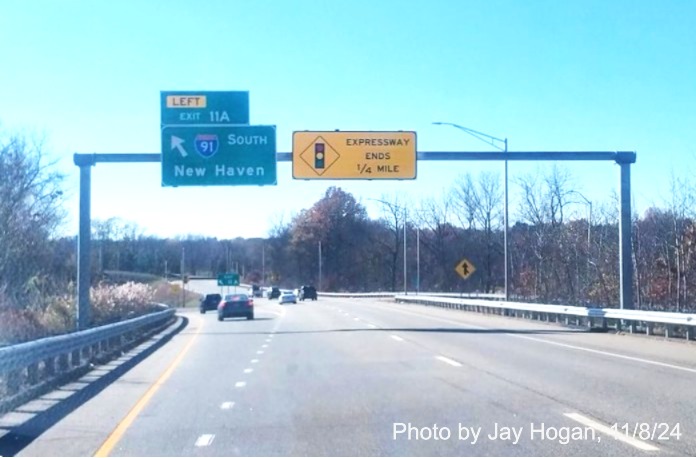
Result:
206,145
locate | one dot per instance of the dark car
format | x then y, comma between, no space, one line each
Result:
235,305
273,292
308,292
255,291
210,302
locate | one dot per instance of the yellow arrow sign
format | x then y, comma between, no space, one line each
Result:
465,269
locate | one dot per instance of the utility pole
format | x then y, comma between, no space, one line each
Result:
183,276
263,264
320,289
491,141
405,274
417,260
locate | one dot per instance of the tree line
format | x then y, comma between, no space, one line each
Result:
563,248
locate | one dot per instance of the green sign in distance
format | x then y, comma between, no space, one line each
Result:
204,107
228,279
218,155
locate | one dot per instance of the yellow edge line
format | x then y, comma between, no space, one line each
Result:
128,420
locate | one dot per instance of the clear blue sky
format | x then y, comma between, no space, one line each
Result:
548,75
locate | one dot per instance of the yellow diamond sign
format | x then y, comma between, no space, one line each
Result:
320,155
465,268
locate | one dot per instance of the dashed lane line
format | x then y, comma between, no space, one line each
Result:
205,440
618,435
449,361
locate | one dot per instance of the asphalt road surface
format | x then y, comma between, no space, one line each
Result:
370,377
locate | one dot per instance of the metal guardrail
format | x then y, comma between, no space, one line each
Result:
633,320
392,294
28,365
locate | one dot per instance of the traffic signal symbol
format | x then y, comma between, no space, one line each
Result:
319,155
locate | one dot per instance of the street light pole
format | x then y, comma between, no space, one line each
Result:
405,277
417,260
507,229
320,289
491,141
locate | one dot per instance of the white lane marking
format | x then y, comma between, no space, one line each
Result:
260,352
640,445
226,405
264,346
248,370
451,362
204,440
608,353
240,384
397,338
268,340
254,361
370,325
356,319
549,342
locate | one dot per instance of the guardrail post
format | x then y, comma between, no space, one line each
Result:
648,328
632,327
669,331
13,381
689,332
75,358
63,363
33,374
49,368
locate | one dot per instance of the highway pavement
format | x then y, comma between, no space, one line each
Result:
343,377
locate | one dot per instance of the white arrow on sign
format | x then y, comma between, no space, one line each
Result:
178,144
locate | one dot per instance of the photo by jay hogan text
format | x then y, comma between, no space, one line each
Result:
495,432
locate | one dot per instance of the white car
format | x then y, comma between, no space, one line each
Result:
287,297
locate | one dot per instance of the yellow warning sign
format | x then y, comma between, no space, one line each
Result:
354,155
465,269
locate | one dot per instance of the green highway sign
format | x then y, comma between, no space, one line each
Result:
228,279
204,107
218,155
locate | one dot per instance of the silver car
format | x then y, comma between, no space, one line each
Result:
287,297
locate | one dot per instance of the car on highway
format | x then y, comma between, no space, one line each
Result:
273,292
209,302
307,292
236,305
287,297
255,291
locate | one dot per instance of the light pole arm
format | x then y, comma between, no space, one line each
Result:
480,135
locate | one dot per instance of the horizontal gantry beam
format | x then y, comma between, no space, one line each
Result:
620,157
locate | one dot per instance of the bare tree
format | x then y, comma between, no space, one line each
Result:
30,211
393,216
